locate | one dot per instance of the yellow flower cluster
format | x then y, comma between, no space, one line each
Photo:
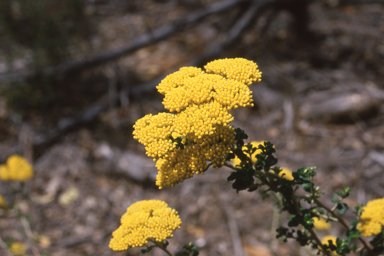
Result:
3,203
321,224
200,102
144,221
372,218
16,169
18,249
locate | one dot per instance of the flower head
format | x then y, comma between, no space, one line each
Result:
199,102
144,221
321,224
372,218
3,203
16,169
18,249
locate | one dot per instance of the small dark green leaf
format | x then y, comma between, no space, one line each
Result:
294,222
232,176
307,186
353,234
342,208
344,192
334,199
195,253
253,187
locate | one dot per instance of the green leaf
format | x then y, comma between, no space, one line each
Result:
243,179
342,208
191,247
271,160
240,135
353,234
307,187
342,246
334,200
344,192
230,156
353,224
295,221
302,238
253,187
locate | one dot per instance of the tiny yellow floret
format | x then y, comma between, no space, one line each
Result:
372,218
321,224
18,249
145,221
16,169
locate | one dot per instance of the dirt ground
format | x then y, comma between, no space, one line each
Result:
320,102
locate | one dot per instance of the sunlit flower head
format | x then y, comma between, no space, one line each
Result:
372,218
321,224
3,203
199,102
18,249
16,169
145,221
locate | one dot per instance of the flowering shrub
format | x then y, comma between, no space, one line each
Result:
16,169
197,134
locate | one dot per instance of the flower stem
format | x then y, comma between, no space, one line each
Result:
161,246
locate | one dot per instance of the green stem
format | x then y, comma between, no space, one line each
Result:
230,166
313,234
161,246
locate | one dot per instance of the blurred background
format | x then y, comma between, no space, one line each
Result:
75,75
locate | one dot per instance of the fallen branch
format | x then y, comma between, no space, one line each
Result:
215,49
90,114
69,124
140,42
